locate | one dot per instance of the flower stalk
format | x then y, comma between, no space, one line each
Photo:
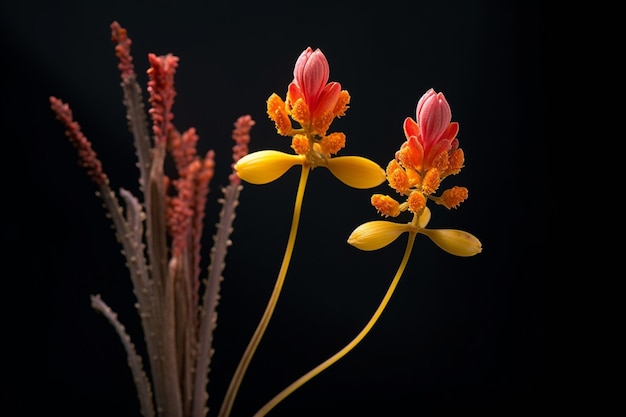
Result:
416,172
313,103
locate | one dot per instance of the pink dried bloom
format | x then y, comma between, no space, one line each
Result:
161,88
179,213
186,209
202,181
122,50
182,147
87,156
241,136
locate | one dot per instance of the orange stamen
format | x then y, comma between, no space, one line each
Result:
300,144
417,202
431,181
333,143
300,112
277,112
397,177
453,197
322,122
441,161
408,157
385,205
457,159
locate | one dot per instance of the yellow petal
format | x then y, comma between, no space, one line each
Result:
455,242
425,217
356,171
376,234
265,166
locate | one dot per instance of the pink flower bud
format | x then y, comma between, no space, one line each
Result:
433,116
433,132
311,74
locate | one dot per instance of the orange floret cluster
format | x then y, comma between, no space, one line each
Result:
429,154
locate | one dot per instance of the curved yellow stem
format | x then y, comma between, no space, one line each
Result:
235,382
328,362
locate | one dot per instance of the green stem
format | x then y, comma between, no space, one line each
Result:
233,388
328,362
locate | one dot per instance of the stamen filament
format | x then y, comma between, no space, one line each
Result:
328,362
235,383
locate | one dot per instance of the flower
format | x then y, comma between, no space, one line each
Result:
313,103
432,133
311,100
430,153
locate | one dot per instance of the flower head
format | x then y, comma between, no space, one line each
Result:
310,83
432,134
313,103
311,100
429,154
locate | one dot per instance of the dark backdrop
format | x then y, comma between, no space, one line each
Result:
460,334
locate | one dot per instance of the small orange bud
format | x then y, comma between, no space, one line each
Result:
277,112
300,112
441,161
322,122
300,144
417,202
392,166
457,159
431,181
453,197
397,177
333,143
409,157
385,205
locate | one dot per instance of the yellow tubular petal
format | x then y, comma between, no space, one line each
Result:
265,166
356,171
376,234
455,242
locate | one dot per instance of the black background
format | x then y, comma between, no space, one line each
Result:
460,334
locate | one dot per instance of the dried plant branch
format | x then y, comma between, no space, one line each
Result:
161,90
135,363
185,335
221,242
133,100
87,157
125,234
138,126
208,314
